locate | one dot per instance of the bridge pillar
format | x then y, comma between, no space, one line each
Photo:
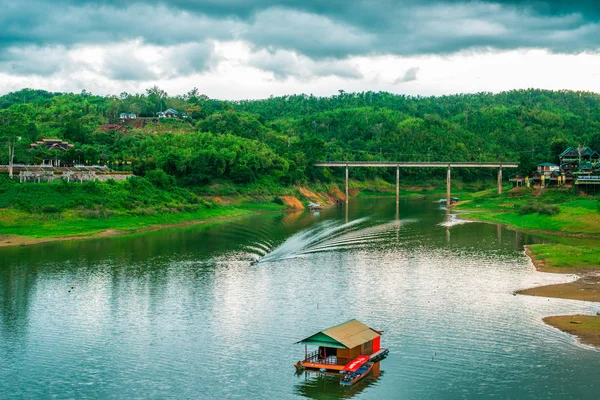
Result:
397,185
346,183
448,188
500,180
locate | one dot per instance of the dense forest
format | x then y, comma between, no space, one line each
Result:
274,141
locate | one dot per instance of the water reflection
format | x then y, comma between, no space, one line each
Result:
325,386
182,313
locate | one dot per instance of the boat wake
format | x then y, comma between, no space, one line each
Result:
454,220
331,236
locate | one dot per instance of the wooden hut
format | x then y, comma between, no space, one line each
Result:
517,180
536,178
340,345
554,179
568,177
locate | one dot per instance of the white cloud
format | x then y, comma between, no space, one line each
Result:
237,71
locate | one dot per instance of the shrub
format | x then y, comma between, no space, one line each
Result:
49,209
542,209
278,200
160,179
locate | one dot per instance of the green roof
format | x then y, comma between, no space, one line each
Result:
587,152
568,150
585,165
547,164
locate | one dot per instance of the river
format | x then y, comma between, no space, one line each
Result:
182,313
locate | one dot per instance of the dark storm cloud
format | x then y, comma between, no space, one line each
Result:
409,76
320,30
284,64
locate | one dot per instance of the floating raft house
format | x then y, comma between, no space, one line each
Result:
343,347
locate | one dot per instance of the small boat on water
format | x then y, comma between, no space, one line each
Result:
314,206
352,377
350,349
453,200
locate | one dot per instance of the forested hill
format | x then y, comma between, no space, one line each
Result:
277,139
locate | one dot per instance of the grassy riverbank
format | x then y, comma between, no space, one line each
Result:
20,228
37,212
585,327
552,211
572,224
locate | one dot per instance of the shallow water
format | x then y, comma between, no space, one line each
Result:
181,313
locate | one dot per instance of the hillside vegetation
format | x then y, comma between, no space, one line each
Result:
273,142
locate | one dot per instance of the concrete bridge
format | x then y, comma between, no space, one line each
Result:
398,165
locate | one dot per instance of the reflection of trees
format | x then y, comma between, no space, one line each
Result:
16,286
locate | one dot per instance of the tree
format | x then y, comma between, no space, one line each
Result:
12,123
580,149
157,96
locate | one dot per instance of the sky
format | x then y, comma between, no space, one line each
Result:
245,49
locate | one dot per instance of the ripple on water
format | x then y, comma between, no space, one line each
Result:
185,315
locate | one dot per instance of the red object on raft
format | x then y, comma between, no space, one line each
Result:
376,344
356,363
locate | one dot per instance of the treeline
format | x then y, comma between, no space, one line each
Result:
276,140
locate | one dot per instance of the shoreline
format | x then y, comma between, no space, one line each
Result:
468,215
16,240
586,328
585,288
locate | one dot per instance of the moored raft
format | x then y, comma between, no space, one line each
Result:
344,349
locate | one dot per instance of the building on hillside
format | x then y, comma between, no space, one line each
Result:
555,178
588,183
170,113
590,155
518,180
127,116
586,168
546,168
568,178
51,144
569,159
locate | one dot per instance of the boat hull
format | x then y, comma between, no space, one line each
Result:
353,377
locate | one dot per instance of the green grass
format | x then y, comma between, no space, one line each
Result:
19,223
62,209
566,257
576,216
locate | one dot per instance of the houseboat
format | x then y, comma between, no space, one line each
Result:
350,349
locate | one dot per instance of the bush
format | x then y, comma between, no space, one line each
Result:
160,179
278,200
49,209
542,209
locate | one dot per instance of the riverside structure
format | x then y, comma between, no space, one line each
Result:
398,165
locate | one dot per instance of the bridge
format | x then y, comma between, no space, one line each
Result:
398,165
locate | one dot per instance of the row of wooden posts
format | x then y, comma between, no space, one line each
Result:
449,166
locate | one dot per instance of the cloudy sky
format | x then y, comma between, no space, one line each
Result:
236,49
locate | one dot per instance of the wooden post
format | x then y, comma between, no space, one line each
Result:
448,188
397,184
500,180
346,183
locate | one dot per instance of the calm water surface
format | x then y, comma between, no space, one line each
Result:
181,313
